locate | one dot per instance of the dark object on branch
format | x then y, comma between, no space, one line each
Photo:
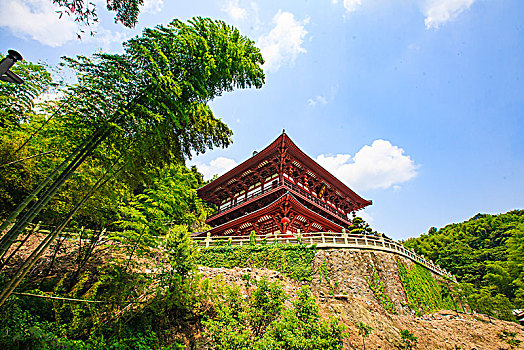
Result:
5,66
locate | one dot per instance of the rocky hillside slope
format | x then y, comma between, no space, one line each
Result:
353,301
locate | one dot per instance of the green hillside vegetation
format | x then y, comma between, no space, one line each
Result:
291,260
423,292
486,254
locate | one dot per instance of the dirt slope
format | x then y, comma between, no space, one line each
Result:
441,330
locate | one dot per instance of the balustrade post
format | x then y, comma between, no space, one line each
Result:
345,236
323,237
208,239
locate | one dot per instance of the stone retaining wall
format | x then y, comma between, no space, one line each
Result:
347,270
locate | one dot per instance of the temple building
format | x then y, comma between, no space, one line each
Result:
279,190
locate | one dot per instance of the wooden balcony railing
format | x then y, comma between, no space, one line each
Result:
288,184
314,199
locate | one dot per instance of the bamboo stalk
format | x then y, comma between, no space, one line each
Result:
59,298
3,241
74,299
33,230
7,240
15,230
37,253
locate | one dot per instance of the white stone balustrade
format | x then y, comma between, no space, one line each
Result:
328,240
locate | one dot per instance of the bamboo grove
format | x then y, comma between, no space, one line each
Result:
128,113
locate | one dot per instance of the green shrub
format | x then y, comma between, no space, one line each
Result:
409,339
291,260
260,321
364,331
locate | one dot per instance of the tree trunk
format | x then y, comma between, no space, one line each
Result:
8,239
37,253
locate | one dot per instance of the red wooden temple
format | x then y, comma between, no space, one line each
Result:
279,189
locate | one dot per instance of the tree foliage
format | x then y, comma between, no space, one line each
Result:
360,227
142,109
156,92
485,253
83,11
262,322
17,101
167,297
170,201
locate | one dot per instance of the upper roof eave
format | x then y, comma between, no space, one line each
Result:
295,150
324,173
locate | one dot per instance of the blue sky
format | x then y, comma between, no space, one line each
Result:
416,104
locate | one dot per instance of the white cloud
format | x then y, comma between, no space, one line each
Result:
352,5
349,5
284,42
219,166
317,100
379,166
152,6
438,12
233,9
324,98
38,20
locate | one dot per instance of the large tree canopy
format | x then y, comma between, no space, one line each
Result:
485,251
144,108
156,92
154,97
